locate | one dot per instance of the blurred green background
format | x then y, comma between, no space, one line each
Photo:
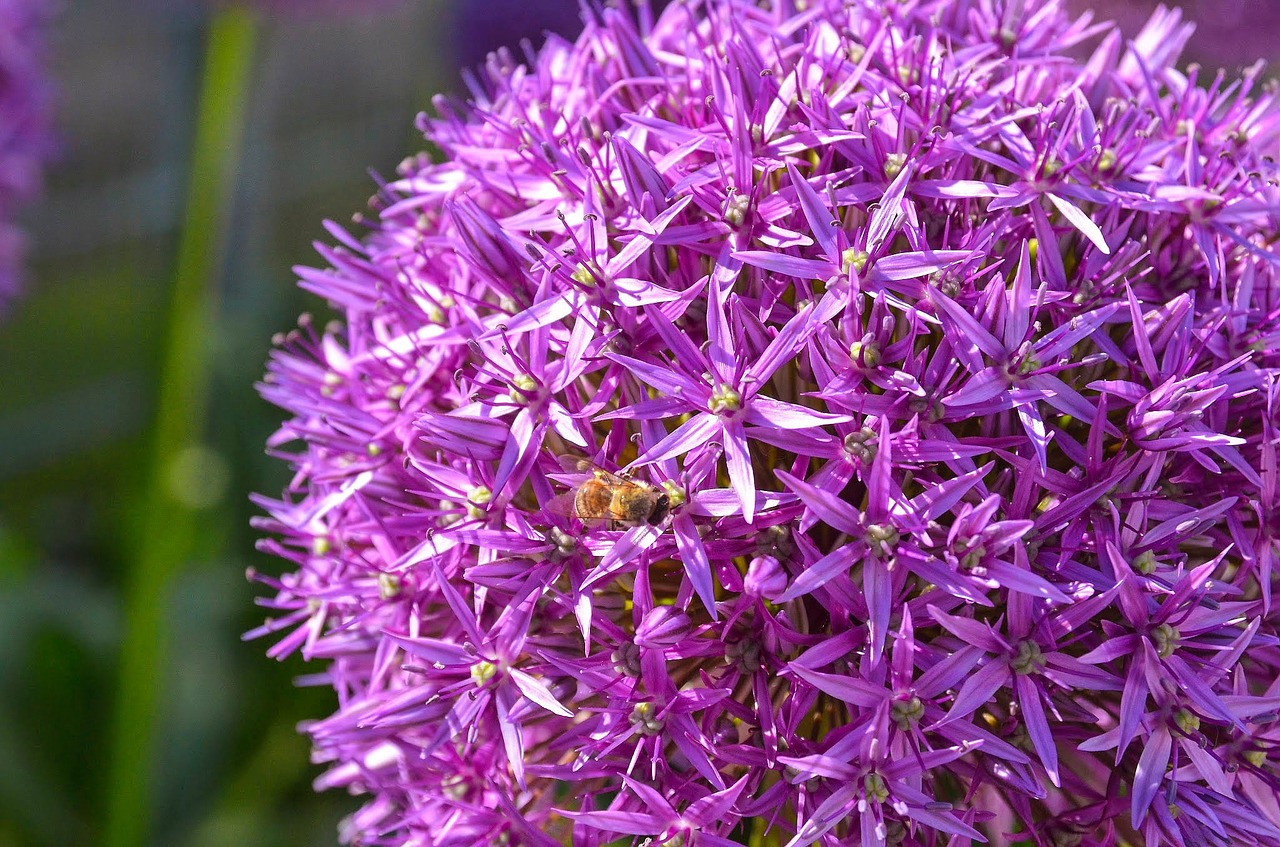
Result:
123,541
326,94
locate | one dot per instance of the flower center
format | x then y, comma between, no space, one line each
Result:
477,499
1165,638
744,654
907,713
725,398
1030,363
861,445
882,538
866,352
1187,721
388,586
1029,658
676,495
483,671
524,387
736,207
643,718
1145,564
626,661
970,553
875,787
853,259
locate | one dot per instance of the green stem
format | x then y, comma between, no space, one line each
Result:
166,525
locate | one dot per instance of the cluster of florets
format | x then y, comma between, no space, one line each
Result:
955,359
25,126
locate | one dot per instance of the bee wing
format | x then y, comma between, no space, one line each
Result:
612,478
562,504
575,464
579,465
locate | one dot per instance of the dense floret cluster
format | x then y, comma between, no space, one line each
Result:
954,358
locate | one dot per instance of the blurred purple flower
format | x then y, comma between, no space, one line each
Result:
307,8
955,360
295,10
479,29
26,118
1228,33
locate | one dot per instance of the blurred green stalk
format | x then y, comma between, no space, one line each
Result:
163,537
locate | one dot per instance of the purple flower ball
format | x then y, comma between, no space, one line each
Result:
801,423
26,118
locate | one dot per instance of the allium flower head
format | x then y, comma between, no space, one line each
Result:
955,359
25,121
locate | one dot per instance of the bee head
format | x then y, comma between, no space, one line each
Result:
661,507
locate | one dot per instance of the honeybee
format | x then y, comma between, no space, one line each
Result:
605,496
